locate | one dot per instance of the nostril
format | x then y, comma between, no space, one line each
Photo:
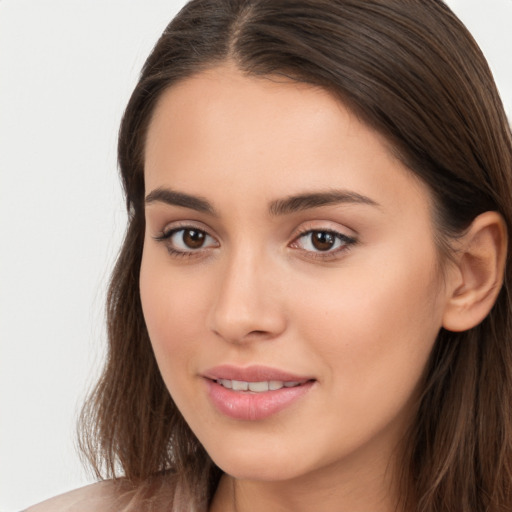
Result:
250,317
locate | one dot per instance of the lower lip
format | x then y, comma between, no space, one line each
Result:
248,406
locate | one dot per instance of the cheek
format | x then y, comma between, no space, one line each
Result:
375,328
173,304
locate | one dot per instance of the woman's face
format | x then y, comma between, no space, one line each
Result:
290,281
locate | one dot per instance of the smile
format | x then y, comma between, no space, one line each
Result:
254,393
256,387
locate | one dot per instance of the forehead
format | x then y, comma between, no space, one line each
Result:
225,102
221,129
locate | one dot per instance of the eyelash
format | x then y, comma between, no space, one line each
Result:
166,236
346,243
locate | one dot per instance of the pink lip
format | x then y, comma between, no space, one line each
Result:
252,374
249,406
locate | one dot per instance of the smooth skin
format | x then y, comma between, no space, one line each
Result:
242,282
346,287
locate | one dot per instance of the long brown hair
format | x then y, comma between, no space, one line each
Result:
411,70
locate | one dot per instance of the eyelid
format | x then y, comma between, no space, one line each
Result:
165,236
347,240
327,226
337,234
320,227
177,225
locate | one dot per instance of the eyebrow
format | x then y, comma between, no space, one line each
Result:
278,207
317,199
174,198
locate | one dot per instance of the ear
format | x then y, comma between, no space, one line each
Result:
478,274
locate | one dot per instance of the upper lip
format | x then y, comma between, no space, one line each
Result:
254,373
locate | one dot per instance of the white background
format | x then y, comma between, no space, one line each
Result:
66,71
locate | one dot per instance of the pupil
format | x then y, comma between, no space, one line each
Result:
193,238
323,241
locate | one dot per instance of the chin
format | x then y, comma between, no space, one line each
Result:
269,472
258,464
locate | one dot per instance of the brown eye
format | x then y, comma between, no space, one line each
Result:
322,240
187,240
193,238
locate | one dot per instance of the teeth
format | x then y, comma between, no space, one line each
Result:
291,384
275,384
256,387
226,383
240,385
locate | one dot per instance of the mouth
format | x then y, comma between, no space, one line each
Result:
258,387
256,392
260,377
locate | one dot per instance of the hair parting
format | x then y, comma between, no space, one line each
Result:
412,71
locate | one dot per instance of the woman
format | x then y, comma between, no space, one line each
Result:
311,308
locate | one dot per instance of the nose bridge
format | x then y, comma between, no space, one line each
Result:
247,303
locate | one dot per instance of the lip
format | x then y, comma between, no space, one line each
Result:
255,373
249,406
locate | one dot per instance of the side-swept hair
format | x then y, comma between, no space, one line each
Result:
411,70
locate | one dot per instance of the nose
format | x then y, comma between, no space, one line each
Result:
248,305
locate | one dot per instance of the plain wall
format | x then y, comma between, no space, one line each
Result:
66,71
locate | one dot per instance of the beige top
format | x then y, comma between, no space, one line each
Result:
103,496
111,496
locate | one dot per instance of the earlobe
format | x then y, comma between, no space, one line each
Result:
480,264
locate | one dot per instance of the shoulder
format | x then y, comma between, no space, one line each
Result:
111,496
105,496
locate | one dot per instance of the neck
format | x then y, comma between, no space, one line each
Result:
331,489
